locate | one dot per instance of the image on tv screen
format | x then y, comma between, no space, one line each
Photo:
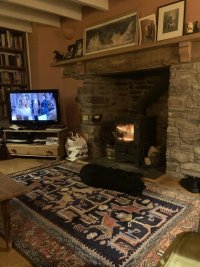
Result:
33,106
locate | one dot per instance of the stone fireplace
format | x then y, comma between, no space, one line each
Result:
161,80
125,95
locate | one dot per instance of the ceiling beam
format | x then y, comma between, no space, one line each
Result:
27,14
15,24
98,4
61,8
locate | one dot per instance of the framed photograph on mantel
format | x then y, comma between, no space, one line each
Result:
117,33
70,51
171,20
147,26
79,48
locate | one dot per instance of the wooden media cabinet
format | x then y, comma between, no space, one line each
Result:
36,143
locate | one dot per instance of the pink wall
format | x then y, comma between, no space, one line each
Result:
44,40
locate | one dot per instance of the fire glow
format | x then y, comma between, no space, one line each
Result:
125,132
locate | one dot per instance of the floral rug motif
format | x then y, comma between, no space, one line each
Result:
63,222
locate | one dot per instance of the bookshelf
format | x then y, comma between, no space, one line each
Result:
14,73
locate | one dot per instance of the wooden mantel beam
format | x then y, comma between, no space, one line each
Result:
185,51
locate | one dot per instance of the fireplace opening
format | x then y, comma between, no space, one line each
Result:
125,98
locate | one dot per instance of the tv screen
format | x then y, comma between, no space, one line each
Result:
34,107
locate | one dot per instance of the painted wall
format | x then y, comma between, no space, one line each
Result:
44,40
42,43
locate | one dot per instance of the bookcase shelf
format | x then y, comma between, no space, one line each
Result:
14,72
4,67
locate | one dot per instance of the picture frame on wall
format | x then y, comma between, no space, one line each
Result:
113,34
78,48
171,20
70,51
147,28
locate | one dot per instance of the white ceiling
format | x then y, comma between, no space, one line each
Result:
19,14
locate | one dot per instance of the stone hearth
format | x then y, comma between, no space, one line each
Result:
123,82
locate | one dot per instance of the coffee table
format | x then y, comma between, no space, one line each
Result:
9,189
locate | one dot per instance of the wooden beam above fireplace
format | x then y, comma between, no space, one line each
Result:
138,57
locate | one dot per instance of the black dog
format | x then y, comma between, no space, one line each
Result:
114,179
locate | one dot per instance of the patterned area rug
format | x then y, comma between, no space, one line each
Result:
63,222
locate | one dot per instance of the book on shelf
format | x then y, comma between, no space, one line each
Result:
10,39
11,77
3,40
10,59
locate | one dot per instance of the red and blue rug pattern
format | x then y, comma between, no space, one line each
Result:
63,222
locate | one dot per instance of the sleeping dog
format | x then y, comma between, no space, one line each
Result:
114,179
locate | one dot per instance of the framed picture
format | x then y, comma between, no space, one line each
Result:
78,48
70,51
147,26
117,33
171,20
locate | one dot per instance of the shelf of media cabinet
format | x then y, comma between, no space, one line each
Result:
36,149
47,130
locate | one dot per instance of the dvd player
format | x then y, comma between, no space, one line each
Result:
25,141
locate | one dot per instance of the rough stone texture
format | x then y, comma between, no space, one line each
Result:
116,96
178,112
183,152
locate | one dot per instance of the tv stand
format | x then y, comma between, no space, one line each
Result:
36,143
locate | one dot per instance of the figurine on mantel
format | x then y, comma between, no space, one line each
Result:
58,56
196,27
192,27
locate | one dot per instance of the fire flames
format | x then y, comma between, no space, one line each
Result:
125,132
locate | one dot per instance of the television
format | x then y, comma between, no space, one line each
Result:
36,108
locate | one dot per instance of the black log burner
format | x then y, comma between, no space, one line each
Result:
133,138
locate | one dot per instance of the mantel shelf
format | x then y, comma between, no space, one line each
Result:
169,42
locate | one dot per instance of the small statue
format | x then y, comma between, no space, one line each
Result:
58,56
190,27
196,26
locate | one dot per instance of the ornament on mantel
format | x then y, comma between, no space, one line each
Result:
192,27
196,26
57,56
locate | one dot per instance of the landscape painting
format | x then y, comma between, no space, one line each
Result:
120,32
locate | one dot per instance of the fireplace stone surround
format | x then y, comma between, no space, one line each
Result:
126,95
114,84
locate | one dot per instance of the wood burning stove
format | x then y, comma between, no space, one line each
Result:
133,138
